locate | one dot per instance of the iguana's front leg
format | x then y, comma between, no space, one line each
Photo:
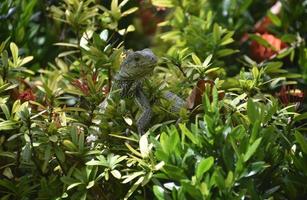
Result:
142,101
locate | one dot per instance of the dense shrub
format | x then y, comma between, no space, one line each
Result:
240,65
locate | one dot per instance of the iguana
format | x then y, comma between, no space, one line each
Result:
134,69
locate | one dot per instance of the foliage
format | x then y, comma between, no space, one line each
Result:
241,136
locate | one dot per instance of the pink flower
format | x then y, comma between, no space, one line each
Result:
260,52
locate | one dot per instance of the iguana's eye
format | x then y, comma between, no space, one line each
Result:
136,59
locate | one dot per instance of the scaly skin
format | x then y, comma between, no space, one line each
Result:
133,70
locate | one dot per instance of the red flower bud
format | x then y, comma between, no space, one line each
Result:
27,95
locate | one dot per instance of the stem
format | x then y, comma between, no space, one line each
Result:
34,155
18,156
180,68
60,163
78,40
109,78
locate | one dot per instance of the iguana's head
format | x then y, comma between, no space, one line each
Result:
137,65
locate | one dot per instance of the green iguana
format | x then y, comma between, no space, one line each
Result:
133,71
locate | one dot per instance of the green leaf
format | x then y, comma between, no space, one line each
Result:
129,11
8,173
174,172
114,5
133,188
225,52
93,162
123,3
144,146
8,125
90,184
196,59
261,41
203,166
216,33
9,185
66,44
14,51
159,192
53,138
251,150
229,180
162,3
189,134
74,185
25,60
6,111
104,35
285,52
301,140
255,168
81,141
7,154
116,174
253,111
218,179
274,18
207,61
3,44
300,117
128,178
59,153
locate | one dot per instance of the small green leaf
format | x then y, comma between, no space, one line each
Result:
229,180
128,178
73,185
8,154
133,188
261,41
128,120
8,125
207,61
159,192
203,166
114,5
144,146
300,117
90,184
253,111
216,33
93,162
162,3
53,138
14,50
274,18
129,11
116,174
189,134
196,59
8,173
301,140
225,52
25,60
59,153
6,111
251,150
104,35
